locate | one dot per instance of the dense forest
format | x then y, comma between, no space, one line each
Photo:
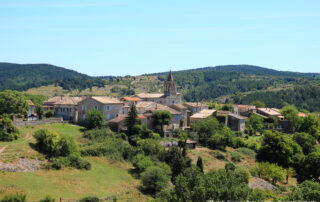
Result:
25,76
304,97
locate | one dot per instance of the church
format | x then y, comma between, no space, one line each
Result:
168,98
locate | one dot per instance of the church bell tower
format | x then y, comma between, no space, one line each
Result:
170,87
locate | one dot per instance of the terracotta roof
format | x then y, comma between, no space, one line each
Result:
150,95
301,114
131,99
243,108
194,104
106,100
30,103
141,116
203,114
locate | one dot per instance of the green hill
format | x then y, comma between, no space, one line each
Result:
25,76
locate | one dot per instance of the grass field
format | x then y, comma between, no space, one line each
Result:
106,177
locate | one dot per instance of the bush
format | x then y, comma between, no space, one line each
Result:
94,119
142,162
239,142
243,174
98,134
73,160
259,195
247,151
18,197
49,114
306,191
236,157
156,178
229,166
8,131
47,199
220,156
217,142
89,199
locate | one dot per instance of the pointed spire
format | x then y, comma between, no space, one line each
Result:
170,77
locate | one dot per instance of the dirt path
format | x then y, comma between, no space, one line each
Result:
3,148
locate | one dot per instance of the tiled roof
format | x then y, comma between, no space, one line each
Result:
106,100
123,117
131,99
150,95
270,111
194,104
178,106
63,100
203,114
30,103
152,106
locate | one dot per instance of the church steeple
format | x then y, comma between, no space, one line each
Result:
170,87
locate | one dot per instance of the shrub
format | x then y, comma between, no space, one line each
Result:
8,131
306,191
73,160
142,162
18,197
94,119
48,114
236,157
247,151
229,166
155,178
47,141
217,142
89,199
239,142
150,146
259,195
243,174
47,199
98,134
220,156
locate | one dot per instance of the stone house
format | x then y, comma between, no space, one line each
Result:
203,114
63,106
243,110
128,102
195,107
67,108
118,124
185,113
236,122
111,107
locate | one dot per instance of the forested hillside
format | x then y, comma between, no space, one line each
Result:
25,76
304,97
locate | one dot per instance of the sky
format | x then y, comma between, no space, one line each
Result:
132,37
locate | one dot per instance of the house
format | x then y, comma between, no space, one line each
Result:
185,113
118,124
63,106
267,112
146,108
110,107
203,114
128,102
195,107
67,108
236,122
222,116
243,110
31,109
191,144
169,97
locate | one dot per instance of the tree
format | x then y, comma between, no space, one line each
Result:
306,141
227,107
205,129
8,131
156,178
254,124
291,113
131,119
276,173
258,104
94,119
200,163
280,149
39,112
13,102
309,167
49,114
311,124
306,191
161,118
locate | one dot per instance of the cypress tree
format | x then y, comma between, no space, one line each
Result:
200,163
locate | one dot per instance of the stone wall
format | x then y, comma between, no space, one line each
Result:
20,122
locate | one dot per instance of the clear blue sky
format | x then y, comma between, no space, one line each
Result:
123,37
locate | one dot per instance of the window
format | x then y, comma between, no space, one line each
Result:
178,117
84,117
108,116
108,107
84,107
96,107
117,115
